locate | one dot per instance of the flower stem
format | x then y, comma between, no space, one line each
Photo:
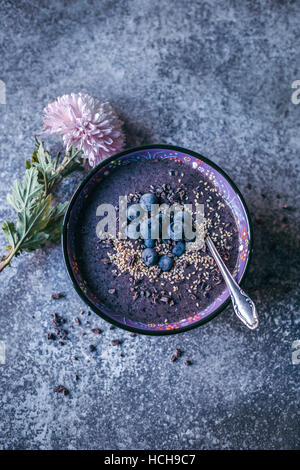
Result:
7,259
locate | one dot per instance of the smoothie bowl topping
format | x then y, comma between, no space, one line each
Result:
157,266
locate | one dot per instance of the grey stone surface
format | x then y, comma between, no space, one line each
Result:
212,76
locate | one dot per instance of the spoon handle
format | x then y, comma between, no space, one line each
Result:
242,304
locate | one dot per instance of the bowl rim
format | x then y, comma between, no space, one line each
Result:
65,232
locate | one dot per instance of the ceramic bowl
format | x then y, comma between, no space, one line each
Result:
226,188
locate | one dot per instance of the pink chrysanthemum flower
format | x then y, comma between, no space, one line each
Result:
85,123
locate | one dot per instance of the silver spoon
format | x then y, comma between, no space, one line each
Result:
242,304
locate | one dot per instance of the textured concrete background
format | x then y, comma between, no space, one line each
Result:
211,76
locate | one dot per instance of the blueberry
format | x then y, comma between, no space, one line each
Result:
184,220
160,217
149,256
133,231
149,243
165,263
183,216
147,200
175,231
179,248
163,224
133,212
187,231
146,229
147,226
187,239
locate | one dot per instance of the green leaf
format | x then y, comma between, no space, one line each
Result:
24,193
30,222
71,162
37,241
10,232
38,220
42,161
54,227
